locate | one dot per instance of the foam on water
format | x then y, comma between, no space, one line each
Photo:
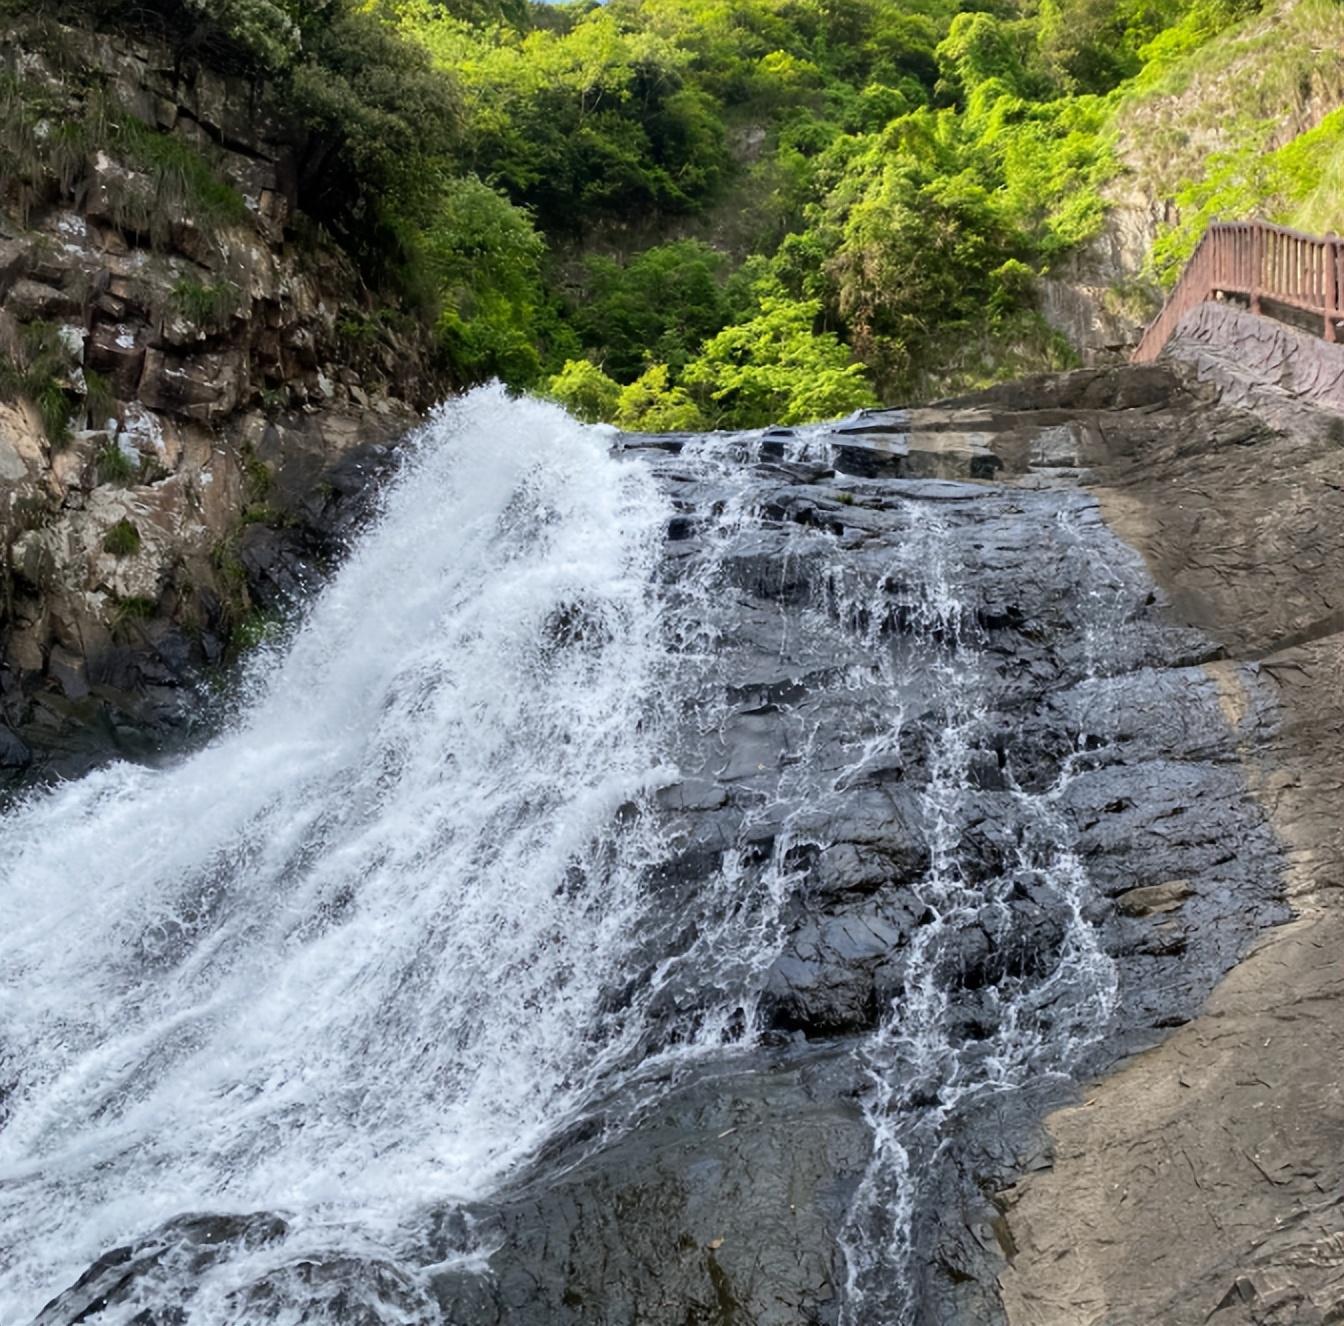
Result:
351,956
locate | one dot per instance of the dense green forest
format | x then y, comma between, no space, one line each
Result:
686,213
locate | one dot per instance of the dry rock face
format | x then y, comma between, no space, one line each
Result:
212,373
1201,1182
1099,296
1249,359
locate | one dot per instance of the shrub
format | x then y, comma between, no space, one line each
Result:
122,540
777,367
661,305
585,391
651,405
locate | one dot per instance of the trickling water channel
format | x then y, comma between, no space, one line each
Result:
588,778
949,1039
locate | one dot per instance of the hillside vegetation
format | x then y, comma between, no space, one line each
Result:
686,213
1248,124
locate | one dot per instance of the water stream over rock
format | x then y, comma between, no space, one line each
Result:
661,884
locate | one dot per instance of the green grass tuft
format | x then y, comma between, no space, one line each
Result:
114,466
100,403
205,304
126,612
122,540
37,370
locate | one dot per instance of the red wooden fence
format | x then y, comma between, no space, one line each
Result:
1261,262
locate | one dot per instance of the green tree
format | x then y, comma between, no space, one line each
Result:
660,306
913,265
585,391
651,405
483,256
381,129
979,49
775,367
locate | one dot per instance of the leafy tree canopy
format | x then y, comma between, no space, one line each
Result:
681,213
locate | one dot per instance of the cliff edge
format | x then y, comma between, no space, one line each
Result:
189,366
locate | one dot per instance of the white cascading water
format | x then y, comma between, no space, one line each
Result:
355,959
349,958
922,1068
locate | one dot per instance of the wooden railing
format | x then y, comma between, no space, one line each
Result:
1266,264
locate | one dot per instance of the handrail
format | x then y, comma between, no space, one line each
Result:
1262,262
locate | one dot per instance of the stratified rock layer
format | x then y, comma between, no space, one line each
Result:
216,374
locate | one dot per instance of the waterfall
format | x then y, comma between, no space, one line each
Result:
353,953
932,1057
445,887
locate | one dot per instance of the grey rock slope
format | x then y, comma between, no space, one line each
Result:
1004,802
1201,1183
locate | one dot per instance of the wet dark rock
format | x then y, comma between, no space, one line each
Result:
825,981
724,1205
355,1291
120,1277
14,754
1092,704
307,1288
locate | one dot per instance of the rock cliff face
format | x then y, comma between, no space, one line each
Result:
189,362
1200,1183
1100,297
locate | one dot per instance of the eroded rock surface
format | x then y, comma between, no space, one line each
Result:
215,374
1201,1183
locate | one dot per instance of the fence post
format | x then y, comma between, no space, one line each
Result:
1257,263
1331,286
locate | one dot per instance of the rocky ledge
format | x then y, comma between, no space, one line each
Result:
188,368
